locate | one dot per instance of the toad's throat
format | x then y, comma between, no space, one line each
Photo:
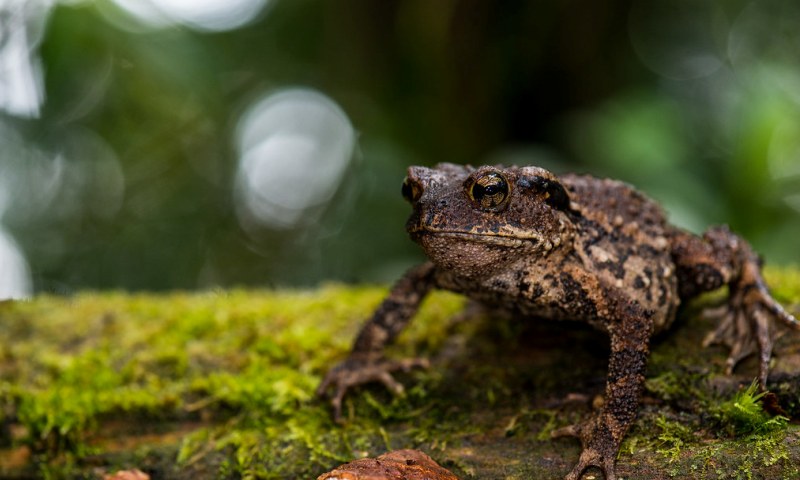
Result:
501,239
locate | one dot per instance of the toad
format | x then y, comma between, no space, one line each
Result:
567,247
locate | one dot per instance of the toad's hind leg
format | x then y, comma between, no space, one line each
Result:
745,321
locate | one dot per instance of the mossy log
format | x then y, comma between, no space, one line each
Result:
220,385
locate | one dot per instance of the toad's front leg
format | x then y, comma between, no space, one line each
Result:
602,435
366,362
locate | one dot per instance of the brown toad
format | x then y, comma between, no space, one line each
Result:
568,247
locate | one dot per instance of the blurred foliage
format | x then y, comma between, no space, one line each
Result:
695,103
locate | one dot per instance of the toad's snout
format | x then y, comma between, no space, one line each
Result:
419,179
412,189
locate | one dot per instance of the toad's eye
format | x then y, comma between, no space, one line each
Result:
490,191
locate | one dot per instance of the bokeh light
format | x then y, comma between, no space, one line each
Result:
204,15
29,178
22,25
15,276
294,147
678,40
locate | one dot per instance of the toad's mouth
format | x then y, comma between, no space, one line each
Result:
491,238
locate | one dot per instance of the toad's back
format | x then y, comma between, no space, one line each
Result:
624,237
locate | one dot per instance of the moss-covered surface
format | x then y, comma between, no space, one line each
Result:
220,385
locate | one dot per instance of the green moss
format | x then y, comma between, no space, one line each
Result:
243,363
673,386
784,284
221,384
673,437
744,414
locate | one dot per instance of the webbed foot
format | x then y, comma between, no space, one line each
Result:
746,321
357,370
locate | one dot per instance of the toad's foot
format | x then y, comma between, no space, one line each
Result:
599,448
357,370
745,321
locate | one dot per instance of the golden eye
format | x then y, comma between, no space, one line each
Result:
490,191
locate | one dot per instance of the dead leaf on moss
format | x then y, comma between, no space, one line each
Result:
134,474
397,465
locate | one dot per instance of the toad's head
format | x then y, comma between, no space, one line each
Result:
475,221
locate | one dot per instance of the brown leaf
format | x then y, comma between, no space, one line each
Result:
134,474
397,465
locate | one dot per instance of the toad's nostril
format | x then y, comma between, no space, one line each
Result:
411,190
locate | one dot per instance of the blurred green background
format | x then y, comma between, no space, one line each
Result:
180,144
